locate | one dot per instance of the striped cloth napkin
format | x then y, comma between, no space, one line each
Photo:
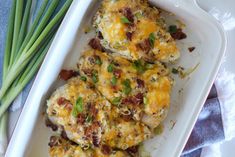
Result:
214,124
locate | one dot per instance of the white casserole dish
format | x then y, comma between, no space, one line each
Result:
30,136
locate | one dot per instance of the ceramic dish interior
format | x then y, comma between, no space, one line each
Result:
30,136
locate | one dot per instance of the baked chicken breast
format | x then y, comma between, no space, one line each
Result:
138,89
134,29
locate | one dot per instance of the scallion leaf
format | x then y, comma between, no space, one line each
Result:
139,65
110,68
175,71
172,29
152,39
88,119
125,20
116,100
126,86
78,107
98,61
83,78
114,81
95,76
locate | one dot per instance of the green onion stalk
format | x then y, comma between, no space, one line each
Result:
26,47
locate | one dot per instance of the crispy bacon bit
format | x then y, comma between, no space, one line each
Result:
106,149
126,117
64,135
67,74
92,129
81,118
129,35
144,46
179,34
95,44
139,98
88,72
100,36
62,101
117,73
93,110
132,150
128,14
54,141
134,100
51,125
91,60
191,49
95,140
140,83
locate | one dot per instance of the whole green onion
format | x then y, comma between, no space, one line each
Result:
26,47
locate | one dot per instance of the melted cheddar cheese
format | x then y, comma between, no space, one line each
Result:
108,22
96,117
65,148
153,85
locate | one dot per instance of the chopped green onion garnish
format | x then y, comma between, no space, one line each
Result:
78,107
148,66
125,20
127,86
110,68
83,78
145,100
98,61
116,101
175,71
139,66
172,29
74,112
95,76
138,15
158,130
88,119
152,39
114,81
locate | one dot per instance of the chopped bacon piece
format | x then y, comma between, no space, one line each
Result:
100,36
144,45
134,100
95,140
140,83
106,149
51,125
92,129
67,74
64,135
128,14
179,34
126,117
81,118
54,141
117,73
62,101
132,150
88,72
191,49
95,44
129,35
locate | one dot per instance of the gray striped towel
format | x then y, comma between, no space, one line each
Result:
214,124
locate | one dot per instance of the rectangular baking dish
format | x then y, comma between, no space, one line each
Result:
30,135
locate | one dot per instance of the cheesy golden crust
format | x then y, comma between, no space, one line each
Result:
137,88
131,28
90,120
60,147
